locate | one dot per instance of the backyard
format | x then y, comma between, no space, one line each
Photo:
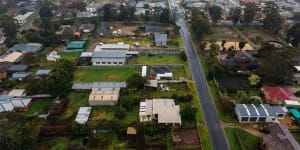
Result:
156,60
70,55
239,139
40,106
109,74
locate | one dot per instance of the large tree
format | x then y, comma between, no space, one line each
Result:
164,15
136,81
45,12
250,12
272,21
59,82
235,15
10,29
215,13
293,35
200,24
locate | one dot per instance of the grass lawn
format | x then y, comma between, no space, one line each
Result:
296,136
114,74
143,41
76,100
248,141
58,142
41,106
162,59
102,112
179,72
70,55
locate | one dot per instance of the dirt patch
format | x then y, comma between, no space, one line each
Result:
185,137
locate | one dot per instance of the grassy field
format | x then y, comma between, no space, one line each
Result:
70,55
248,141
41,106
76,100
179,72
115,74
162,59
143,41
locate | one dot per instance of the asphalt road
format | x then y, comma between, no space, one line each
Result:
215,129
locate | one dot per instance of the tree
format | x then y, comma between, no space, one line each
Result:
215,13
273,20
241,95
183,56
242,45
255,100
214,50
200,24
266,50
136,81
235,15
223,44
188,112
59,82
293,35
126,13
79,5
249,13
10,29
39,86
165,15
254,79
45,12
109,14
120,112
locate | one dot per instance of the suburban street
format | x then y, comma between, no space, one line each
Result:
215,129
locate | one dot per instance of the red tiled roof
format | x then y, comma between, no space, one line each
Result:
276,93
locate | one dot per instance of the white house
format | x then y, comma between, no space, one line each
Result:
53,56
21,19
104,98
163,110
258,113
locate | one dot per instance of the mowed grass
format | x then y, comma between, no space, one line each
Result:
247,140
296,136
112,74
76,100
70,55
159,60
40,106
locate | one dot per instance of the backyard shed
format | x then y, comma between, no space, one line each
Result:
77,45
27,47
83,115
295,113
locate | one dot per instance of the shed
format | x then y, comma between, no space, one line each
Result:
17,93
295,113
131,131
77,45
83,115
43,73
20,75
18,68
27,47
160,39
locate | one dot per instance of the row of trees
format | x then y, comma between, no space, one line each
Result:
200,24
271,18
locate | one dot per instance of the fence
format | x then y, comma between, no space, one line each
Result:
135,66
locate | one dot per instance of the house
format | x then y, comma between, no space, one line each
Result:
104,97
21,19
139,11
27,47
93,7
53,56
87,27
66,32
8,103
77,45
160,39
20,76
276,95
111,47
247,113
240,60
83,115
279,138
42,73
14,57
109,57
18,68
157,72
164,111
17,93
4,66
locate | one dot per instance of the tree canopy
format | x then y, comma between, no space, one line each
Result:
215,13
273,20
45,12
136,81
249,13
10,29
293,34
235,15
200,24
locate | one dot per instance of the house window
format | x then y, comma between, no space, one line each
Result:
108,62
103,62
115,63
97,62
120,62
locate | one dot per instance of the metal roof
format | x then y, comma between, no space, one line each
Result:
258,110
101,84
160,38
27,47
18,68
83,114
110,54
43,72
18,75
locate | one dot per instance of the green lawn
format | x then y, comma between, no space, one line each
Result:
114,74
179,72
296,136
76,100
248,141
162,59
143,41
70,55
41,106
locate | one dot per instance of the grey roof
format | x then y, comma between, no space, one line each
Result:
43,72
27,47
109,54
84,14
95,5
19,75
154,70
161,38
152,28
108,59
18,68
101,84
258,110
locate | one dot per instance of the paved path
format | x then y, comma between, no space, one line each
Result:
215,129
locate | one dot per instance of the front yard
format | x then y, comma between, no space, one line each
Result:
156,60
239,139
